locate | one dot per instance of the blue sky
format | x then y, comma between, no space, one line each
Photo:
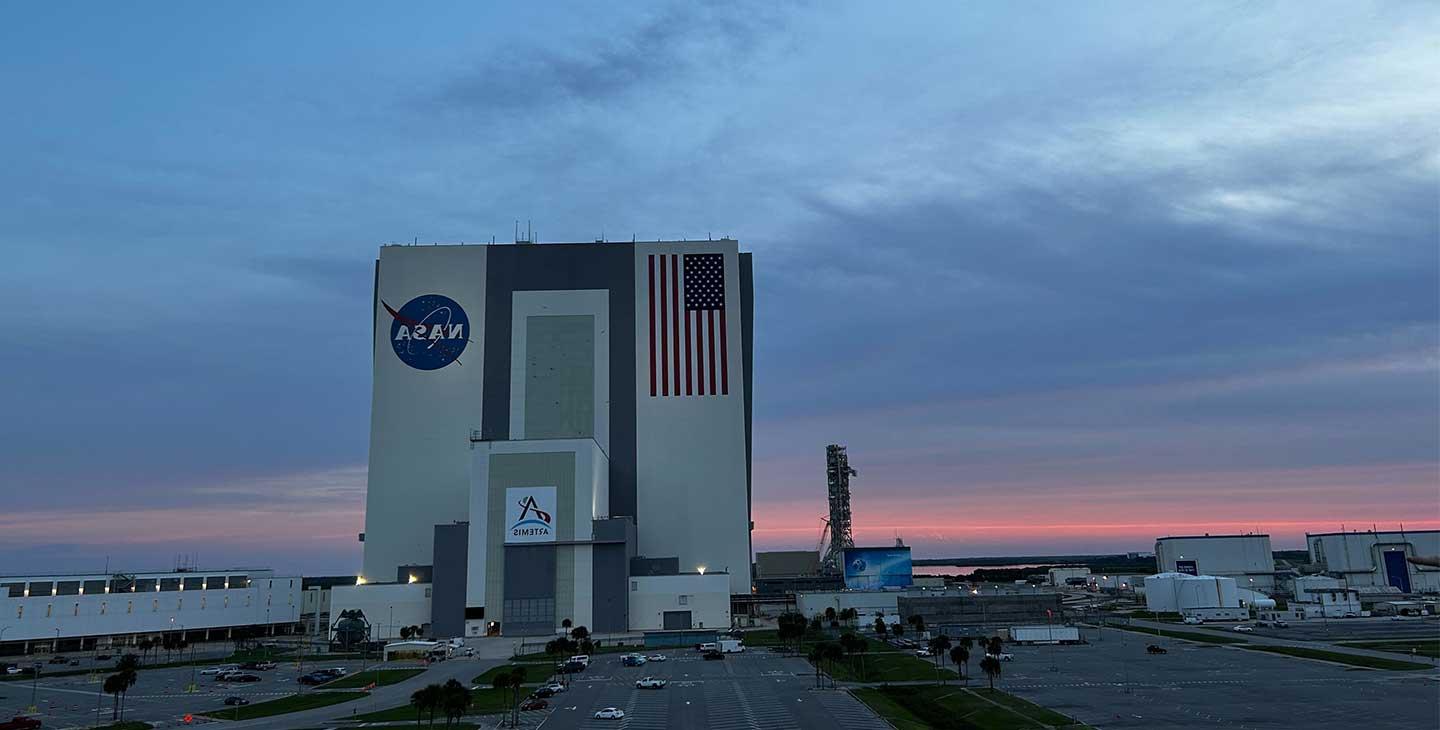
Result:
1063,277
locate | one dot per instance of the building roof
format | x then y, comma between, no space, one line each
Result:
1211,537
1358,533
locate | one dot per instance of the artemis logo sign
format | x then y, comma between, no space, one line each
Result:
530,514
429,332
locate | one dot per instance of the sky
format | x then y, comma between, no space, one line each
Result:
1063,277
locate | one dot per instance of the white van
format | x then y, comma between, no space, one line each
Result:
731,646
582,659
708,646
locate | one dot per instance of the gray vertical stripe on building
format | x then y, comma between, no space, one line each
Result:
747,340
559,267
448,577
560,376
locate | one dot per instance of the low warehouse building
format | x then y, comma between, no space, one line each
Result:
1182,593
1245,558
1379,558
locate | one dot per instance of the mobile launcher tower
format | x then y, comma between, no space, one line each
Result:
837,480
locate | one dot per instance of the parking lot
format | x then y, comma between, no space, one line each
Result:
748,690
1113,683
158,695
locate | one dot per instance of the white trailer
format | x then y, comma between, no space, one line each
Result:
1044,634
730,646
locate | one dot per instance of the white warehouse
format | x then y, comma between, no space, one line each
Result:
88,610
1378,558
1246,558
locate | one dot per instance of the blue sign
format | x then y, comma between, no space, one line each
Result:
429,332
872,568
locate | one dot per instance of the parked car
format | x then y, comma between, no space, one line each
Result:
241,677
534,703
74,662
59,660
633,660
20,722
713,654
581,658
1262,623
218,670
314,678
258,666
1351,614
554,687
236,701
1152,649
657,657
610,713
923,653
1002,656
650,683
1281,624
570,668
1193,620
1243,628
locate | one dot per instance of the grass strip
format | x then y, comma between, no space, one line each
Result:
482,702
1354,660
285,705
381,678
886,667
955,708
1422,647
1186,635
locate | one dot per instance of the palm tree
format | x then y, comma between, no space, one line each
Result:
938,646
566,624
880,627
991,666
833,653
960,657
579,632
918,622
114,685
517,679
455,700
425,700
817,655
898,630
830,616
128,670
849,615
861,646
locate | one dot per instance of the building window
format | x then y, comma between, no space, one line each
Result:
634,586
143,585
169,584
67,588
195,583
104,606
129,607
179,603
19,612
202,603
14,590
684,600
427,592
93,587
154,605
49,608
42,589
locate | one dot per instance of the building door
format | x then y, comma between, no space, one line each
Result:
677,620
1397,571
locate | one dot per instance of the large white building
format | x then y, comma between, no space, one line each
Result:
104,609
1246,558
1379,558
567,410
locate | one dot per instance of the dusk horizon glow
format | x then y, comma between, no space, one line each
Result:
1063,279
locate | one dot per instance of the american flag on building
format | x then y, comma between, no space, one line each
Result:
688,339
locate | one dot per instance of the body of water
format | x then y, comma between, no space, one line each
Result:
968,569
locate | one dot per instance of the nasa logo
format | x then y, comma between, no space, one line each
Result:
533,521
429,332
858,565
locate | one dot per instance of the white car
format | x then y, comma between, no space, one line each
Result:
555,687
1242,628
610,713
219,670
656,657
923,653
650,683
1002,656
1194,620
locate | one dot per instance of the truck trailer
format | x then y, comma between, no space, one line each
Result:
1044,634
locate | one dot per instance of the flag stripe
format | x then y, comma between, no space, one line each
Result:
712,351
689,359
724,358
675,314
652,325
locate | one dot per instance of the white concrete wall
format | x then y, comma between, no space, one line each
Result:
268,600
690,481
869,604
706,597
1176,592
1058,576
420,420
1246,558
388,607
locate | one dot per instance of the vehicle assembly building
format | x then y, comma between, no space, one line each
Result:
570,414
